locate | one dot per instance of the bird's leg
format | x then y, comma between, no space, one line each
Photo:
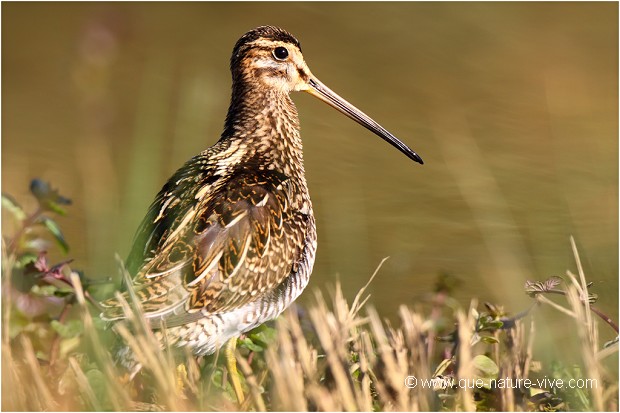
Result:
231,364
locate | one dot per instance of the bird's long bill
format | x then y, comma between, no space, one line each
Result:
319,90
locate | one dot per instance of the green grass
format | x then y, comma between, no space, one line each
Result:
332,355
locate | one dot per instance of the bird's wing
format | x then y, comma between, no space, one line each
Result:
224,251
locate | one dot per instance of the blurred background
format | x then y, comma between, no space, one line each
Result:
512,106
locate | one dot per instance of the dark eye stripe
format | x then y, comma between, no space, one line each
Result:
302,74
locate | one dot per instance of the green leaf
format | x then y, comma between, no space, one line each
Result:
13,207
485,369
97,382
488,323
263,334
100,324
54,229
64,290
69,329
496,324
55,288
44,290
49,199
250,345
25,259
17,324
485,366
217,378
36,244
67,345
489,340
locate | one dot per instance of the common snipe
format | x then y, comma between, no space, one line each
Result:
230,240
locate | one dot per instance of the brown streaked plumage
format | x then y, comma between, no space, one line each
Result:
230,240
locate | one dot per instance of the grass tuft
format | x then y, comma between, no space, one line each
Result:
334,355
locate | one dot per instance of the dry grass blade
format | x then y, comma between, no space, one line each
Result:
255,389
465,371
40,395
286,370
7,276
589,345
358,303
331,337
118,397
389,374
606,352
366,350
583,287
415,332
149,354
558,307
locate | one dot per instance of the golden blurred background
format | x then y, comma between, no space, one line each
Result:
512,106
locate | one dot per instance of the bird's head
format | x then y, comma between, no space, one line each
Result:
270,58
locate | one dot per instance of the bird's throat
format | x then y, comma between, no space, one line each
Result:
266,121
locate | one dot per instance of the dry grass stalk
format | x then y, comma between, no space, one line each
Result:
466,324
588,335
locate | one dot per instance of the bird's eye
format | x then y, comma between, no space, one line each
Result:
280,53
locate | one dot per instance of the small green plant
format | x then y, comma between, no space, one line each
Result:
40,294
